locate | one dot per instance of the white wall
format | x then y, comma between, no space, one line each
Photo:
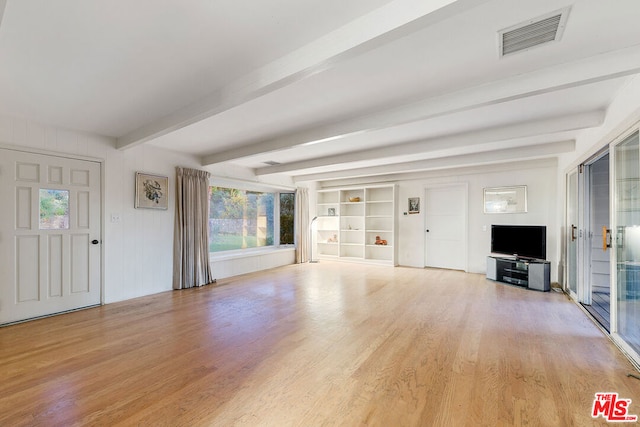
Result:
138,250
540,179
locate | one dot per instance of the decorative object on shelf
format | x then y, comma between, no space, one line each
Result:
333,239
152,191
354,199
379,241
505,199
331,211
414,205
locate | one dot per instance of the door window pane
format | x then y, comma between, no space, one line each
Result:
54,209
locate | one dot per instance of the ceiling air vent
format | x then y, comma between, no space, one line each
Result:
271,163
535,32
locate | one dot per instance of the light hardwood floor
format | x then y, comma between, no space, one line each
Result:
316,345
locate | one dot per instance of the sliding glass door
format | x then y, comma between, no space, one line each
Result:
627,242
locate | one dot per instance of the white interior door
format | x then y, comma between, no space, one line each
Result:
50,229
446,227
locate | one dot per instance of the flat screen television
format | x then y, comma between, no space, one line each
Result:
521,241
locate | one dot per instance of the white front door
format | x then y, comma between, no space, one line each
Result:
446,227
50,244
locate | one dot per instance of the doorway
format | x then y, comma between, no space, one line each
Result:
50,235
446,227
603,239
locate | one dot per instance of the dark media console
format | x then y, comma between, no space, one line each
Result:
530,274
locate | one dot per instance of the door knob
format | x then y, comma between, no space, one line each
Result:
427,230
95,242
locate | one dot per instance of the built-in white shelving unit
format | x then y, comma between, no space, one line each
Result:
354,222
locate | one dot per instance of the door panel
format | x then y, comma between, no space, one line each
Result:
599,265
446,219
50,215
627,240
573,232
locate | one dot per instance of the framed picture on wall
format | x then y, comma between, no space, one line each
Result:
505,199
152,191
414,205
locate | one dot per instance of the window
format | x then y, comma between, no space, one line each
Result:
242,219
287,210
54,209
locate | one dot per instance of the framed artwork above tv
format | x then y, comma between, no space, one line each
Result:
505,199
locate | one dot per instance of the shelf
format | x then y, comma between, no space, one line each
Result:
531,275
515,281
359,222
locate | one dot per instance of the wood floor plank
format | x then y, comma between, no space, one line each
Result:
315,345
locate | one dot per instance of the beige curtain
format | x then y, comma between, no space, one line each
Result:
191,233
302,225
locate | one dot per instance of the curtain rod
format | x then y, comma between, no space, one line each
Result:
257,183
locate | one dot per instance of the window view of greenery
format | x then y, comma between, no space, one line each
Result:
287,209
54,209
240,219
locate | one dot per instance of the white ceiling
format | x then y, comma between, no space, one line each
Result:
332,89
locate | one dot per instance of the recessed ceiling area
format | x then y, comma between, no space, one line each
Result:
318,90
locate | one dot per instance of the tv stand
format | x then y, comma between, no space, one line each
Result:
530,274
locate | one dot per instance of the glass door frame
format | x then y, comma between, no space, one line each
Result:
587,229
573,232
615,336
